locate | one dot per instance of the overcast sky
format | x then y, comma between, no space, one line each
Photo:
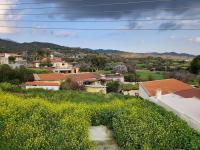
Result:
123,14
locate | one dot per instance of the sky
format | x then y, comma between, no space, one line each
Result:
124,22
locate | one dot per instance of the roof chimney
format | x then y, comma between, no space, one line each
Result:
158,94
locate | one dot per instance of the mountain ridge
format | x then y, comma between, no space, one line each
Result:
7,45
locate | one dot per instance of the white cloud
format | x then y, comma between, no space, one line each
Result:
6,15
63,34
195,39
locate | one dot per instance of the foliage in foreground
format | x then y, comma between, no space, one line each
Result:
15,76
136,124
36,124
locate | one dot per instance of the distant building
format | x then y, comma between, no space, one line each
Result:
176,96
154,88
52,81
113,77
58,77
57,65
12,59
43,85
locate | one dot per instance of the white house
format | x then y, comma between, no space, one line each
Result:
58,65
113,77
52,81
43,85
156,88
176,96
5,59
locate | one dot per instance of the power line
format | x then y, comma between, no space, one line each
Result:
125,20
106,4
102,29
48,7
102,12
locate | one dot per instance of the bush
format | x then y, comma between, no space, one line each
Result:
148,127
133,77
129,87
69,84
36,124
15,76
8,87
195,65
113,86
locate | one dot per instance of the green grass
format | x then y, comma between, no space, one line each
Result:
141,66
129,87
104,72
39,119
144,75
39,71
71,96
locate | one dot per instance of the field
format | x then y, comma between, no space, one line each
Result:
37,119
153,75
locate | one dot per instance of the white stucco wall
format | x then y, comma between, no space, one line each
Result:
54,88
186,108
142,92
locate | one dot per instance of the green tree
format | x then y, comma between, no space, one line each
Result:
39,54
11,60
195,65
6,73
97,61
15,76
113,86
131,77
69,84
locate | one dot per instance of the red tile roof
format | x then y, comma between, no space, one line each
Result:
81,77
189,93
42,83
50,77
166,86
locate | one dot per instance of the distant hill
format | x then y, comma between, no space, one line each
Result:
167,55
12,46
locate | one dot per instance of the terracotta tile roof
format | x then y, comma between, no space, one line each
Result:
11,54
189,93
2,54
42,83
81,77
55,59
166,86
50,77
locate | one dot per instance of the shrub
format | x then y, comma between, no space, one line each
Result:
113,86
129,87
195,65
149,127
133,77
8,87
69,84
36,124
15,76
